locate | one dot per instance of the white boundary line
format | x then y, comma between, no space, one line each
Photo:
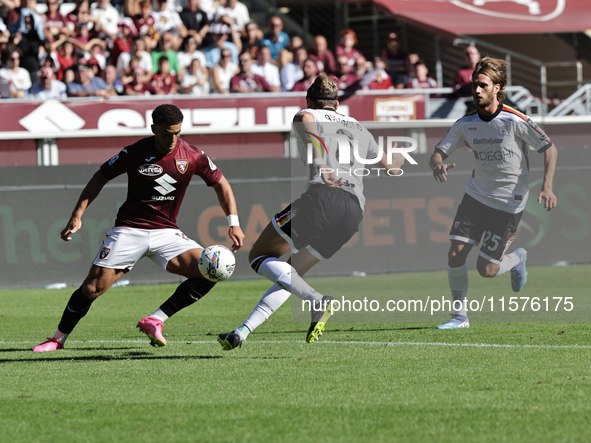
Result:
371,343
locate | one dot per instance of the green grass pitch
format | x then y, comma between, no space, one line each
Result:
369,382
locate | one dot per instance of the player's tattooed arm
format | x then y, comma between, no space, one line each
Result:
228,204
89,193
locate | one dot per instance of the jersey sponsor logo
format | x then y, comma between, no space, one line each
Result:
166,185
150,170
104,252
493,155
182,165
163,197
486,141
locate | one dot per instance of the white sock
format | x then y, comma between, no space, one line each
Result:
458,283
159,315
508,262
60,336
269,303
287,278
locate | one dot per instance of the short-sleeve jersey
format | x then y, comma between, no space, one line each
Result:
501,173
329,121
156,182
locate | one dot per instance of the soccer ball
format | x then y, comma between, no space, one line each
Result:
217,263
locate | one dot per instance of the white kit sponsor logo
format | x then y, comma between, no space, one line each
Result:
150,170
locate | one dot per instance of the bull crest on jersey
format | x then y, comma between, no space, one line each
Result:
104,253
182,165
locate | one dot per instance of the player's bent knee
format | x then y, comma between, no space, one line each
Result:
487,269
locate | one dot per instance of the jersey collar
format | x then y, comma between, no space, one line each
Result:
497,112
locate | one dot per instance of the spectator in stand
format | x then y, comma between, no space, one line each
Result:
195,20
124,40
138,49
323,57
310,73
95,67
15,81
83,26
55,23
287,54
346,46
25,19
64,48
358,73
394,56
345,77
245,81
219,33
108,18
167,19
189,53
463,77
222,73
421,80
163,81
48,87
292,72
86,86
196,79
252,41
145,25
234,14
26,37
266,69
275,39
165,47
377,78
110,77
402,77
138,85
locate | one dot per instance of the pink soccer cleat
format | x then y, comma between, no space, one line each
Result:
152,327
52,344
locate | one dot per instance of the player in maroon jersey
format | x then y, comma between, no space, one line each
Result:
159,169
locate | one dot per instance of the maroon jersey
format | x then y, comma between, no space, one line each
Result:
156,183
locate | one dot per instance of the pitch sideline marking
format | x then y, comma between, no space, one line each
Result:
371,343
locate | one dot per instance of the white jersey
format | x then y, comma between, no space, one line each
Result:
501,174
328,122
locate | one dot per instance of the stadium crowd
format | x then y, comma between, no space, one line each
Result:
139,47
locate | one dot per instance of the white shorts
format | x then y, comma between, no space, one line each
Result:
123,247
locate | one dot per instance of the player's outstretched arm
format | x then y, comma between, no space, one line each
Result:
228,204
439,167
546,194
89,193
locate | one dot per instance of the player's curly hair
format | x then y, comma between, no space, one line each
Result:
323,92
169,114
495,69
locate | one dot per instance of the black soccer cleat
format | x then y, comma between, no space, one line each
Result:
319,317
230,341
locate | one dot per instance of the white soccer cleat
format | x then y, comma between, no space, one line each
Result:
456,322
